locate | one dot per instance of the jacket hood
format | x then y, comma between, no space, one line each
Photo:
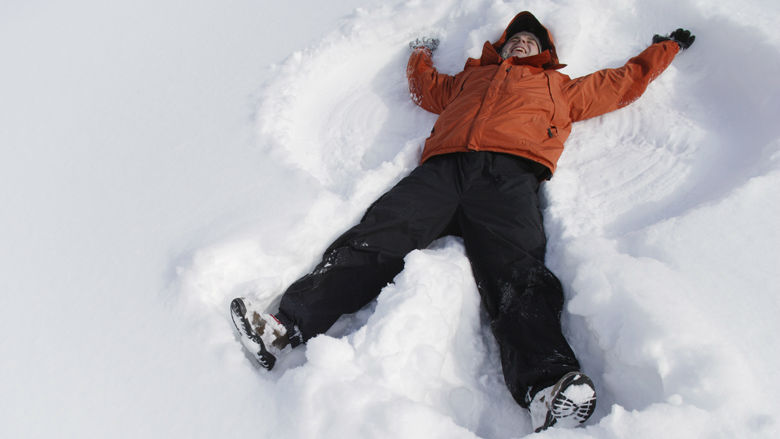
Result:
524,21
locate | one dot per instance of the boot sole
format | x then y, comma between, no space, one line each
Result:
563,409
249,340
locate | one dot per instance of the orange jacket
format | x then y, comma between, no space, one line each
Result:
523,106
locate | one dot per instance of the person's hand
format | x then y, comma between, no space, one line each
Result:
429,43
682,37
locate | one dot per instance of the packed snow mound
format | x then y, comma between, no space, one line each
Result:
661,222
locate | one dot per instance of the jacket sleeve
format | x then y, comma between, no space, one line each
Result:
429,89
610,89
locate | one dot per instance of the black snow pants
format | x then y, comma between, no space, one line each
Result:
491,201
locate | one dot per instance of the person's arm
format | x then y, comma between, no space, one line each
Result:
610,89
429,89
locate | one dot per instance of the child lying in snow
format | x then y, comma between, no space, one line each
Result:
502,125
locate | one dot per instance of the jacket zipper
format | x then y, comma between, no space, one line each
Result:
549,90
481,110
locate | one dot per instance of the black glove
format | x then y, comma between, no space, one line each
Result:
426,42
682,37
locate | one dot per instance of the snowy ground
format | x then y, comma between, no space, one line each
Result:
160,158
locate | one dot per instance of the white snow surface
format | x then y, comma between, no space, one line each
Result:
162,157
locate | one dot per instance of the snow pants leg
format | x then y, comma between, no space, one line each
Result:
501,224
367,257
491,201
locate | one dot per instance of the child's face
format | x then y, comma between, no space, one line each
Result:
521,45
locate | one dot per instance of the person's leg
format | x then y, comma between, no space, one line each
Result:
501,224
363,260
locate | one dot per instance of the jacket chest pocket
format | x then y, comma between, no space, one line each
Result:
560,113
529,98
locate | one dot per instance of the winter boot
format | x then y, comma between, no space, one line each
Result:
262,334
568,403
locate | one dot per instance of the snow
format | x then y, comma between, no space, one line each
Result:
160,158
581,392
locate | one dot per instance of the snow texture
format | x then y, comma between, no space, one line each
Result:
161,158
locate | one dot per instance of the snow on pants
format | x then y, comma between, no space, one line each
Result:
491,201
